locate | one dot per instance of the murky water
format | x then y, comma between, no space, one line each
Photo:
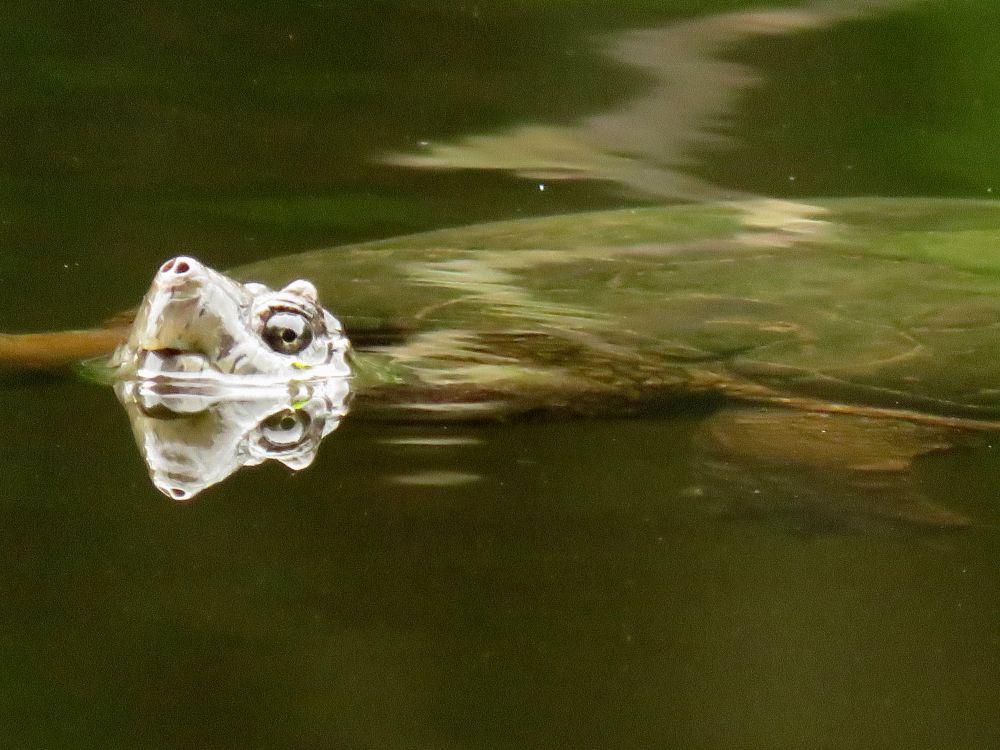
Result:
541,584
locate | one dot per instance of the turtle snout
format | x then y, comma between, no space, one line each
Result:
180,267
177,493
181,275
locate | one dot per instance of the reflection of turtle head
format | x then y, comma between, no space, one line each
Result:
195,323
192,439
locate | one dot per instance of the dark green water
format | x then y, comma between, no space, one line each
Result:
572,591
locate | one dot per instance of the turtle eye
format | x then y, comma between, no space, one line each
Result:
285,429
287,332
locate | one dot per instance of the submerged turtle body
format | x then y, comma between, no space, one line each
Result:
889,305
876,306
878,321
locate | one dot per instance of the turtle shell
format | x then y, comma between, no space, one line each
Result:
888,303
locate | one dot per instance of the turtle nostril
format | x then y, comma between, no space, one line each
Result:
179,266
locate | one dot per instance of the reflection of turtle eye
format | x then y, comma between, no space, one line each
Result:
287,332
285,429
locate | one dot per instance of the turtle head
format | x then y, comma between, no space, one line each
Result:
197,323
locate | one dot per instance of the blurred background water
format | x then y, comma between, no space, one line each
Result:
525,585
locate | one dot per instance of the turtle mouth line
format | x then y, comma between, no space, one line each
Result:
171,362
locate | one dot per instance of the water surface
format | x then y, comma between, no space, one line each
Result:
564,584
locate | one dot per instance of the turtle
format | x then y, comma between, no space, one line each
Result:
853,334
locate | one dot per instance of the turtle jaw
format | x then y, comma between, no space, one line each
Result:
167,361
